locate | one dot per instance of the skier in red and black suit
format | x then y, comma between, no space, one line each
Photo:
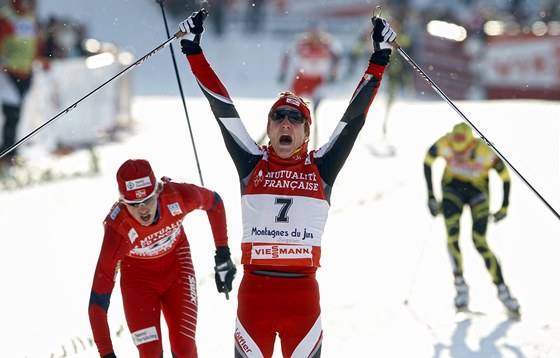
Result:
285,194
145,239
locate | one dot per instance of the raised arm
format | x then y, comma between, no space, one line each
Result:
331,157
241,147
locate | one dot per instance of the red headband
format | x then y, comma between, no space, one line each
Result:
295,102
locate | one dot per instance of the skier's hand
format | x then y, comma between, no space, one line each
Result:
111,355
500,214
193,25
382,35
224,270
433,205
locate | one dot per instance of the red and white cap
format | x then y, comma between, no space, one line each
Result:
291,100
136,180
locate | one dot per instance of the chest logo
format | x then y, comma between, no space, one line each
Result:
175,209
258,178
132,235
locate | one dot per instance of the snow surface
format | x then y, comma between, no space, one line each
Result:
386,285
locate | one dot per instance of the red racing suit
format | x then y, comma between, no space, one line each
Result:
285,205
310,62
157,273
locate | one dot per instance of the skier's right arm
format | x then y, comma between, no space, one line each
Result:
112,251
242,148
429,159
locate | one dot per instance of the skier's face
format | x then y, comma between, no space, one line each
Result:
286,132
145,211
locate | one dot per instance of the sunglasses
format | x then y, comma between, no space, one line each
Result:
146,201
294,116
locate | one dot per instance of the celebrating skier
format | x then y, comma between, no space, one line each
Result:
285,197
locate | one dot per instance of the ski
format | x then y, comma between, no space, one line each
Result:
465,313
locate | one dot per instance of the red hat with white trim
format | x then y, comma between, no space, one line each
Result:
289,99
136,180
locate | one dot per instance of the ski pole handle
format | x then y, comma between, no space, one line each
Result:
377,14
179,34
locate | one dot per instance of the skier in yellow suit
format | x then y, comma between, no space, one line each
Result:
465,181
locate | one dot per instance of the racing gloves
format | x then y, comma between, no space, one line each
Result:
224,270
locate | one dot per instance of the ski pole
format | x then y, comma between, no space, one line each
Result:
160,2
419,260
177,35
410,61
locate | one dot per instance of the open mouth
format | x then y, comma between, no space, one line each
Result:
146,218
285,139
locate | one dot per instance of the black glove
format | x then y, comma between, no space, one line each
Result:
500,214
382,35
193,27
224,270
433,205
111,355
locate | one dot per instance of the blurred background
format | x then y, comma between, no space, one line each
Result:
472,49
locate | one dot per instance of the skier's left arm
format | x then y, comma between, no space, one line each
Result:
503,172
196,197
331,157
212,203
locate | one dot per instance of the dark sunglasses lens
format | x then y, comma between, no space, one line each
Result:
145,202
295,117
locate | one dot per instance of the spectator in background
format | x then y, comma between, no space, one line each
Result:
20,46
310,62
218,15
64,39
255,15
